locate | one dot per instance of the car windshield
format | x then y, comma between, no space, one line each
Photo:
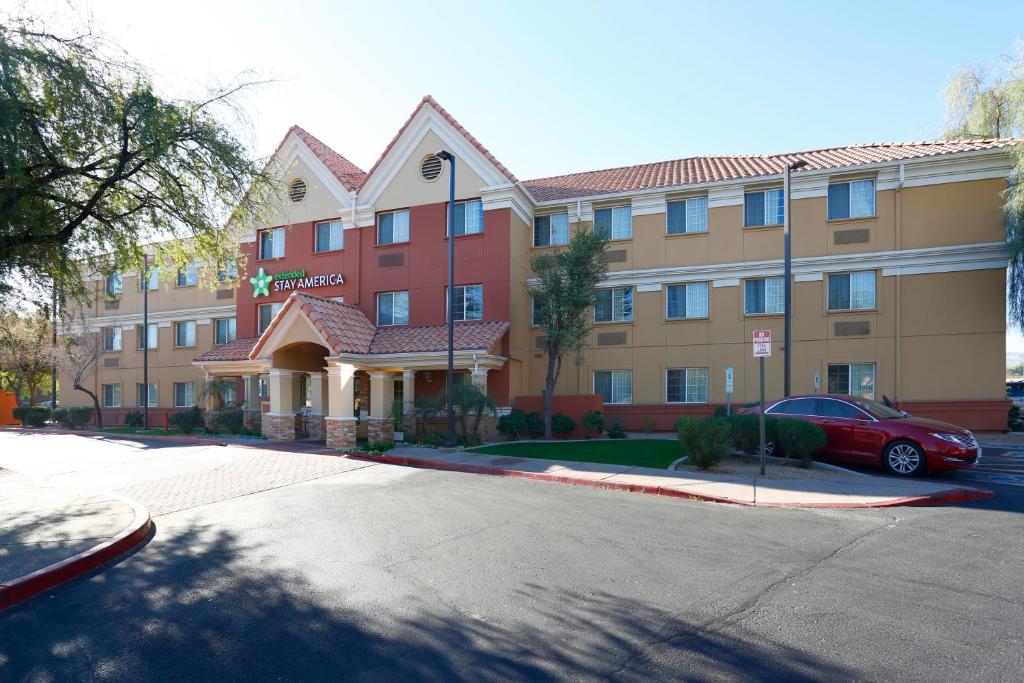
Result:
879,410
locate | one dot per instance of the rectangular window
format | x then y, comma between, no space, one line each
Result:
764,295
141,395
686,385
185,333
229,392
141,337
184,394
329,236
393,227
615,223
613,305
187,276
536,310
853,199
851,291
393,308
469,303
856,379
686,301
469,217
266,314
688,215
264,386
111,338
115,285
272,243
764,207
228,270
614,386
549,231
225,331
111,395
151,282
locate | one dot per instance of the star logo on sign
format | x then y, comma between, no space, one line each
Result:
261,283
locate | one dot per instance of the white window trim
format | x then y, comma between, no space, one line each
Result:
195,334
377,311
686,376
764,278
686,201
120,396
851,217
707,303
215,324
141,334
849,364
175,397
464,202
156,391
407,237
613,321
852,308
448,302
316,228
611,228
260,307
549,216
766,224
593,386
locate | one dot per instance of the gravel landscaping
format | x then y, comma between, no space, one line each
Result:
777,468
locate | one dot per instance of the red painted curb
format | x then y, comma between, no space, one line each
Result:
44,579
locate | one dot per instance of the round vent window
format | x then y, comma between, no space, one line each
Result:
297,190
430,167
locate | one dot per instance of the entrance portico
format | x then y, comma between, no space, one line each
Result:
314,347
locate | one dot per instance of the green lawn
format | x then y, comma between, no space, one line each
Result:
657,453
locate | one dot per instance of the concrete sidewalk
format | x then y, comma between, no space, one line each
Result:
852,492
49,535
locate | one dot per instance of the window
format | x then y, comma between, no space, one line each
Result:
851,291
686,301
184,394
114,284
224,331
141,394
329,236
469,303
229,392
799,406
536,311
151,281
615,223
187,276
686,385
185,333
393,308
469,217
856,379
764,295
841,409
111,395
266,314
688,215
272,243
614,386
264,386
854,199
763,208
111,338
141,337
393,227
228,270
552,230
613,305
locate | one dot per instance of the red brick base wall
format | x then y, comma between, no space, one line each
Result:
341,432
570,406
279,427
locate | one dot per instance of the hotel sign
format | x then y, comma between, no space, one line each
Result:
263,281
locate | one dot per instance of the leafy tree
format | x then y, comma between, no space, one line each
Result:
94,163
26,352
988,102
563,287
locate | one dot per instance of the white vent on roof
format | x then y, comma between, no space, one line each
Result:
297,190
430,167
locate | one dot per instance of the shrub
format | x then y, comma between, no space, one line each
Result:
32,416
19,413
380,447
230,421
746,431
534,425
60,416
80,416
432,439
617,432
1014,421
187,420
134,419
800,439
593,423
562,425
513,425
705,441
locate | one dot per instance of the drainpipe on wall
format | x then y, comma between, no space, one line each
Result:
899,294
359,247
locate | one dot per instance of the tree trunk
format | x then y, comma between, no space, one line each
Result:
549,389
95,402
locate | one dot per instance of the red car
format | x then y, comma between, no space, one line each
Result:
862,431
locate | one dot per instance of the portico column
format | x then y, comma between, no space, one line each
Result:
478,376
340,423
488,423
279,423
318,387
253,407
408,403
380,425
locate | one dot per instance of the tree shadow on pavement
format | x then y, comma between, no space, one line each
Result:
197,604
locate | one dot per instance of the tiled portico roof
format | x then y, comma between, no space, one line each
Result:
467,336
236,350
693,170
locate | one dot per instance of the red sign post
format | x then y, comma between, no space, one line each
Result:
762,349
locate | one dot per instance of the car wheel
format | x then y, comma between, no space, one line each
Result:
904,459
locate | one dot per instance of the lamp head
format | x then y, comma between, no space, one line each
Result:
445,155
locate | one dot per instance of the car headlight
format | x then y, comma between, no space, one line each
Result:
951,438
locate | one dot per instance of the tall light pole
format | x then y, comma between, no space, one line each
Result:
145,341
450,378
788,276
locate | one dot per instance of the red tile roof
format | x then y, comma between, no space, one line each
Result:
347,173
467,336
431,102
695,170
236,350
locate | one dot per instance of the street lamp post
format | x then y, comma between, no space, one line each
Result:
145,342
788,275
450,378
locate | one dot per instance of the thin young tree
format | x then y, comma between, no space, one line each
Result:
78,356
988,102
563,289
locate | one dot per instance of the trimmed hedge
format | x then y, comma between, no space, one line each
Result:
513,425
32,416
593,423
562,425
188,420
800,439
706,441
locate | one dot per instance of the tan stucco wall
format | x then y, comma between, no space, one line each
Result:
320,203
408,188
